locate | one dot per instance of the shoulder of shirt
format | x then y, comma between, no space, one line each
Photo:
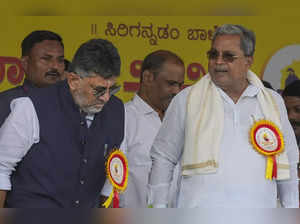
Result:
131,109
21,102
277,96
12,93
183,94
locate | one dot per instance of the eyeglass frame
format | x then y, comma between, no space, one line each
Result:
227,56
112,90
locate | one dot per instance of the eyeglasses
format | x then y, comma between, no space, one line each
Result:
100,90
227,56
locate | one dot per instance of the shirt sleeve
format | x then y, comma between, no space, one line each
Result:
166,151
17,134
288,189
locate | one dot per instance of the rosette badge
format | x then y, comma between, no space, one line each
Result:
267,139
117,173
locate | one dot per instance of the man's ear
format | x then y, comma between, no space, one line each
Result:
249,61
148,77
24,62
73,80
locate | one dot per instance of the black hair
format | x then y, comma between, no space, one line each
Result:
96,57
36,37
155,60
292,89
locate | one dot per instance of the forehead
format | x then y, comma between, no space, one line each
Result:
291,101
172,71
227,43
100,81
51,47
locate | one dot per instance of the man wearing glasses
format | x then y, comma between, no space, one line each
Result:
230,134
52,145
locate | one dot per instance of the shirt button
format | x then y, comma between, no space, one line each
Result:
85,161
77,202
82,182
83,142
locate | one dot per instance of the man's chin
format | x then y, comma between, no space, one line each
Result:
93,109
296,130
53,79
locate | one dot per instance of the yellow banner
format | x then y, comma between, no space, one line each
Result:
277,57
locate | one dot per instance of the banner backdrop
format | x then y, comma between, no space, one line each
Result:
277,57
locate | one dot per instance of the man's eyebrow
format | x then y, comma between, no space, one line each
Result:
99,87
173,81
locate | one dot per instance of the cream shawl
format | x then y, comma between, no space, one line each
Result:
203,135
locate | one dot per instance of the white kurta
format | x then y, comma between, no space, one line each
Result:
141,126
240,180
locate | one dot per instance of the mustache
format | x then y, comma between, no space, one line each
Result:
220,69
295,123
53,72
99,102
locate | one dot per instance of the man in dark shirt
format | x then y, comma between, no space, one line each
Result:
43,63
291,96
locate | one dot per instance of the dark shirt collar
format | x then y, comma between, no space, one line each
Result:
28,85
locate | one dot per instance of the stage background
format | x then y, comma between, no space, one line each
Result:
277,56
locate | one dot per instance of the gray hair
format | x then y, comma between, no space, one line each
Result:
96,57
247,37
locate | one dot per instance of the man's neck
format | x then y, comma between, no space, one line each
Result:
144,97
236,92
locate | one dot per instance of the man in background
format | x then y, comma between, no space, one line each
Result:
43,63
162,77
291,96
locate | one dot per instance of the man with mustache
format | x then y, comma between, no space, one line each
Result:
53,143
222,130
162,77
43,63
291,96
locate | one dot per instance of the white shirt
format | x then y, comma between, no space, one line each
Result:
141,126
240,180
17,134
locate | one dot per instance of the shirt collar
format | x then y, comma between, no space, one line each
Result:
142,105
27,85
250,91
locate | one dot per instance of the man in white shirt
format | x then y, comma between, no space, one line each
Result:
207,129
162,77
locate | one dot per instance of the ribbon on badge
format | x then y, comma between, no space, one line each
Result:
117,173
267,139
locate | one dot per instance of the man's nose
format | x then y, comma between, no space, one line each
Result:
292,114
54,63
105,97
219,59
